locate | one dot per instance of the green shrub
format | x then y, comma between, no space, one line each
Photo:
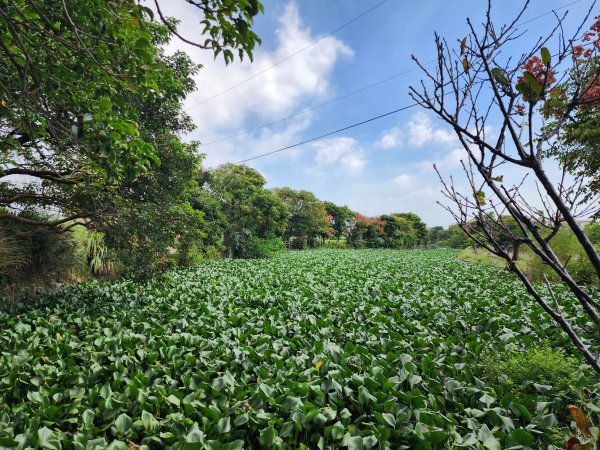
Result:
593,232
263,247
298,243
570,252
520,370
11,256
39,263
95,257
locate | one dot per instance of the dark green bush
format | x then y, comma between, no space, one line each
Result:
520,370
263,247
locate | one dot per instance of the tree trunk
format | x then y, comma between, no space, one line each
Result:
515,252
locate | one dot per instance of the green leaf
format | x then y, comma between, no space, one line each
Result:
480,197
173,400
491,443
88,417
500,76
267,437
48,439
487,400
224,425
8,442
355,443
149,421
546,58
195,435
520,436
235,445
123,423
240,420
533,83
142,43
369,442
389,419
320,419
363,395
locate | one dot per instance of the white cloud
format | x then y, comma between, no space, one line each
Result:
405,181
422,131
418,131
446,160
343,151
391,139
273,94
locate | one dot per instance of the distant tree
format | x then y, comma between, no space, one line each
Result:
341,219
398,231
417,224
251,212
358,230
435,235
308,222
456,238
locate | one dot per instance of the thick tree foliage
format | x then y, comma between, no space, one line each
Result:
253,217
308,221
91,118
516,114
84,90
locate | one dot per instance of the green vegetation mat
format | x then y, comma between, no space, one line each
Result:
318,349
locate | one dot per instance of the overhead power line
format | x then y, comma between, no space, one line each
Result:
320,105
371,119
331,33
359,90
339,130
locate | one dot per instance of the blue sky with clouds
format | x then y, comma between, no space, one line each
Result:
381,167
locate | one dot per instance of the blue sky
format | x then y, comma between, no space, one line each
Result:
381,167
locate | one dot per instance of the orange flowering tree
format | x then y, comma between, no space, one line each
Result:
578,145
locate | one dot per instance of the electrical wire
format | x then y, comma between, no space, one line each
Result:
359,90
371,119
364,13
339,130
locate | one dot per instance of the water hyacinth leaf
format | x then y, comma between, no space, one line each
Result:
363,395
235,445
48,439
149,421
224,425
491,443
88,417
267,437
369,442
173,400
123,423
355,443
118,445
487,400
241,419
8,442
520,436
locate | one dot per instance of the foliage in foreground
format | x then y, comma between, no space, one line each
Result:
566,248
364,349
